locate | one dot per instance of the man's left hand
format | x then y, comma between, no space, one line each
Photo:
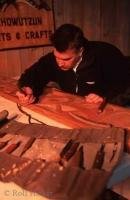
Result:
93,98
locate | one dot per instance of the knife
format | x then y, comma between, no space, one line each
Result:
99,159
114,151
68,151
12,147
66,148
7,120
28,145
3,144
102,106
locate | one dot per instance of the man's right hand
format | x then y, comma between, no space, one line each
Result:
25,96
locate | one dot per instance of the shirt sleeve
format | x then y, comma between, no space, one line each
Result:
37,75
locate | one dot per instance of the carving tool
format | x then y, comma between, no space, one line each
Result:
7,120
66,148
68,151
3,144
114,151
12,147
102,106
28,145
99,159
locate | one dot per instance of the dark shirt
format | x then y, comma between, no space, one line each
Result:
104,70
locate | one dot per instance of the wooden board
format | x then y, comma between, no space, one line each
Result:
69,109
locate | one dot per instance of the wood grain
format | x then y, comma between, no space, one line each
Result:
70,110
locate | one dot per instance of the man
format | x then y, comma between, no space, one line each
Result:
88,68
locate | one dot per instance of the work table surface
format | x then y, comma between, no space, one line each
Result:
64,110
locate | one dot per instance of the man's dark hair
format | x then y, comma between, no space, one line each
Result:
67,36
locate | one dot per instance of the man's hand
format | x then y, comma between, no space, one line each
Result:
25,96
93,98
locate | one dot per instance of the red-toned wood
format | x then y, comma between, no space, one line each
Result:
69,109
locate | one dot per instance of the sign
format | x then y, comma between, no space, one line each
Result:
26,24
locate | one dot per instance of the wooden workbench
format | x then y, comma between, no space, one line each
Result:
65,110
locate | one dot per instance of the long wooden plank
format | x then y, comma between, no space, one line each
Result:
69,109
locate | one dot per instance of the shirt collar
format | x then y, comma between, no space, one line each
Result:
77,64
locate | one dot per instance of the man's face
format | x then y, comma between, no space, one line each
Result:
67,59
